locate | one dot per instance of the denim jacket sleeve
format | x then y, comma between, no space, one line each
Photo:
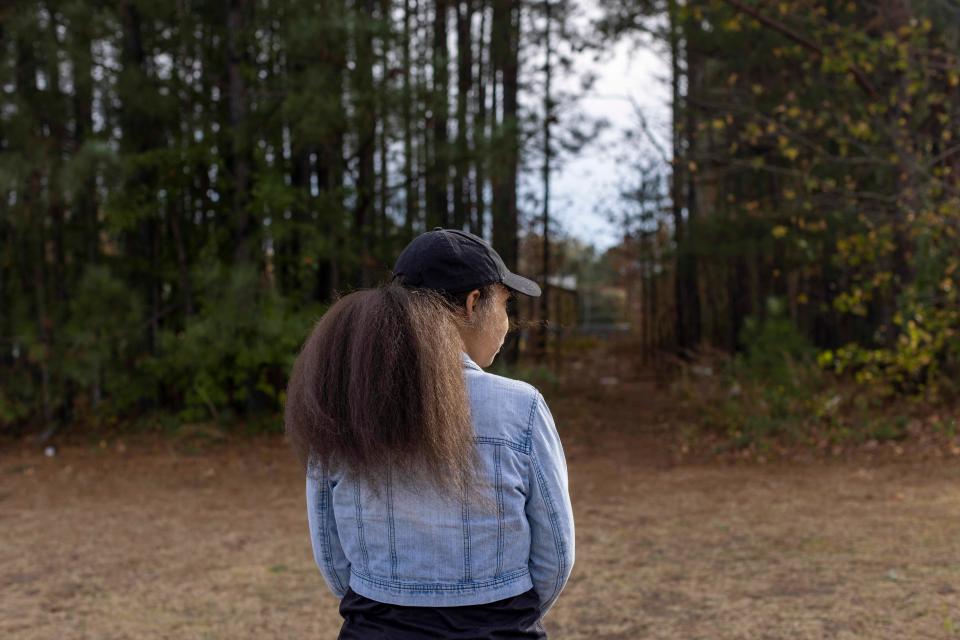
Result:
548,508
327,550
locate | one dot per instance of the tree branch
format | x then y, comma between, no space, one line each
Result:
804,42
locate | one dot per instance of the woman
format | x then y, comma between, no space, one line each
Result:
437,494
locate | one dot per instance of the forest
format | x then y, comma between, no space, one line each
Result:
186,185
751,359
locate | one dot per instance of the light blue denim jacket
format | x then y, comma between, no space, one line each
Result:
411,547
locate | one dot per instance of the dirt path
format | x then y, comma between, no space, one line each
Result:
151,543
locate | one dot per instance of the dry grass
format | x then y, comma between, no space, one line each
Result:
151,543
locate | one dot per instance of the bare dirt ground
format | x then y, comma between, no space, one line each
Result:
152,540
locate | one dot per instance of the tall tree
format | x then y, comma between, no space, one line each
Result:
505,138
438,177
239,158
365,116
546,171
462,191
410,163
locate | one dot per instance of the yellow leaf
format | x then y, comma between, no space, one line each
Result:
779,231
733,24
860,129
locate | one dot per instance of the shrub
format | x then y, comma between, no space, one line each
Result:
232,358
100,343
770,390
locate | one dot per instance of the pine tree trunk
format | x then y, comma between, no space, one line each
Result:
244,227
410,178
329,166
179,208
506,158
384,117
85,199
480,147
139,136
687,291
438,179
366,123
547,156
25,73
461,186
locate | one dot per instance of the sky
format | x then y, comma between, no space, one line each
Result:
585,188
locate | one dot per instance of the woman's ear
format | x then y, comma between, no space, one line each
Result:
471,302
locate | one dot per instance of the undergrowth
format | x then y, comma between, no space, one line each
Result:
774,395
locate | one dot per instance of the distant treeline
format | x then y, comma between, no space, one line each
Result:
185,184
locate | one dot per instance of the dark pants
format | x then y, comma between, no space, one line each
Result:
508,619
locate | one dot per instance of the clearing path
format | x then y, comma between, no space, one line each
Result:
150,541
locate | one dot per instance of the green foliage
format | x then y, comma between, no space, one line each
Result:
143,148
818,165
778,393
773,346
102,338
182,187
539,376
884,429
920,362
13,408
20,387
769,391
231,359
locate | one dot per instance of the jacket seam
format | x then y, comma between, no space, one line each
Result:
323,496
554,527
498,479
509,443
529,436
360,537
391,525
465,514
513,576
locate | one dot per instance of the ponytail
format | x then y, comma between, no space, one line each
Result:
378,388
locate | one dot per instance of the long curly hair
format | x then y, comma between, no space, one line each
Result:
378,387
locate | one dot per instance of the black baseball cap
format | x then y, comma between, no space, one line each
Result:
453,261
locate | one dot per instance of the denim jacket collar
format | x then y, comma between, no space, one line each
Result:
468,362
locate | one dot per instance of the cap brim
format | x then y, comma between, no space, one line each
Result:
521,284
